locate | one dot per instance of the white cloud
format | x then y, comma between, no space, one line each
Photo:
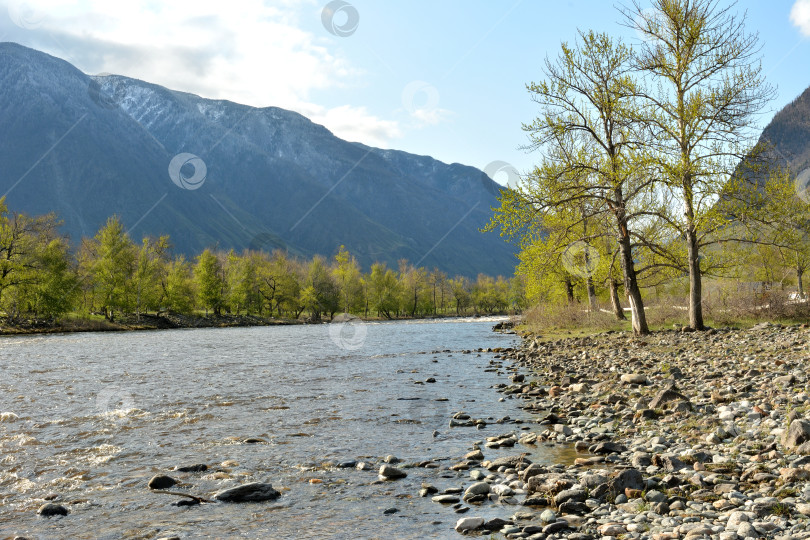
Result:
355,124
430,117
800,16
247,52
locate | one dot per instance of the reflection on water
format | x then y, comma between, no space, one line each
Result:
91,417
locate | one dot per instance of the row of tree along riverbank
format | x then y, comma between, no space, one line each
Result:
41,281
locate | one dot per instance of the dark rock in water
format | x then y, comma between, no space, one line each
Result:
161,481
199,467
253,440
253,492
346,464
52,509
389,511
388,472
187,502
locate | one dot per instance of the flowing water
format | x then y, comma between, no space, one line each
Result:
98,414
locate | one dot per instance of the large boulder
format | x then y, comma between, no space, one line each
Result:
667,395
797,433
253,492
628,478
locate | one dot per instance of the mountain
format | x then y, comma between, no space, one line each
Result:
217,173
788,133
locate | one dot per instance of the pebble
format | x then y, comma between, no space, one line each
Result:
689,435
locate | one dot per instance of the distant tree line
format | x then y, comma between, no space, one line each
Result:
112,275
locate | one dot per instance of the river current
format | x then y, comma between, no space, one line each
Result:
90,418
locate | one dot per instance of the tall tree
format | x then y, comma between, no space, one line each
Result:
705,87
179,291
382,290
590,142
150,272
210,282
113,267
347,274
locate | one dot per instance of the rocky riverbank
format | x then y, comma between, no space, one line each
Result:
682,435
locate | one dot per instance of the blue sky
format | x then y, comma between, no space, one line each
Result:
444,78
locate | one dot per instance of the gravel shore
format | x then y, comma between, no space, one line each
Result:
681,434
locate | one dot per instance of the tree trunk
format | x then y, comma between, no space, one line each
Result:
569,290
799,283
695,281
614,300
638,317
591,293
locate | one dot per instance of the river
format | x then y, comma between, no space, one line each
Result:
98,414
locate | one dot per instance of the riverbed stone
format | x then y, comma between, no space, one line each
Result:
253,492
469,524
52,509
161,481
387,472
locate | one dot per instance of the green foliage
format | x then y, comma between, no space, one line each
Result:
179,292
113,276
210,282
113,267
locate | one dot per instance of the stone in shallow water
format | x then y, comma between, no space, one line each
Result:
469,524
199,467
253,492
52,509
161,481
388,472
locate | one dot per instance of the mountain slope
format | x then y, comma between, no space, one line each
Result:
88,147
788,133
